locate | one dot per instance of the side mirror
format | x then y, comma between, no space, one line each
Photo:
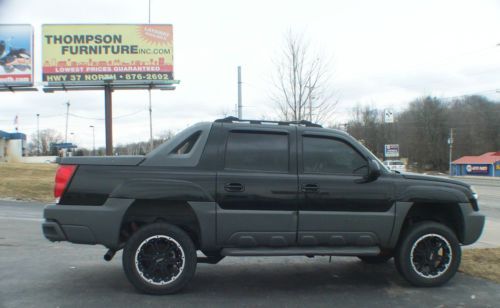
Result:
373,172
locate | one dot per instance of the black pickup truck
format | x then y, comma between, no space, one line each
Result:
257,188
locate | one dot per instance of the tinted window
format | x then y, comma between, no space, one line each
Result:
187,145
257,151
322,155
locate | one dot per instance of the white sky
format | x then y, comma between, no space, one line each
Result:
385,53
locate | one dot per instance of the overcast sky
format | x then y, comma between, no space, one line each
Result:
385,53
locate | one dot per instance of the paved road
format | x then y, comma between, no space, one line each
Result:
489,204
37,273
489,194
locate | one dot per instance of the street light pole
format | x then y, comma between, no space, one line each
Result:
93,139
38,133
67,118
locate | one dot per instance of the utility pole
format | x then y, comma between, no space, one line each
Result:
450,143
93,139
240,107
67,118
38,133
151,142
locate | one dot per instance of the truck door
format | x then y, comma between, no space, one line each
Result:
257,187
337,210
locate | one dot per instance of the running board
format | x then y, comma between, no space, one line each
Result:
302,251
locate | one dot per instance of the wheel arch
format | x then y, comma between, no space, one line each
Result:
197,219
448,213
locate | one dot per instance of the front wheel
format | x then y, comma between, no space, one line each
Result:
159,259
428,254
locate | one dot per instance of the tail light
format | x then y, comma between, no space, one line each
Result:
63,176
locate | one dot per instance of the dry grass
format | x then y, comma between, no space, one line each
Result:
27,181
483,263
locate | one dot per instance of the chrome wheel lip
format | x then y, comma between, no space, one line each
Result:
446,265
162,282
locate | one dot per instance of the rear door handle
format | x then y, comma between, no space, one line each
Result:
234,187
311,188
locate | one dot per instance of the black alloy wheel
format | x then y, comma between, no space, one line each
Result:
159,259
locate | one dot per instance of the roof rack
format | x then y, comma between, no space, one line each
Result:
236,120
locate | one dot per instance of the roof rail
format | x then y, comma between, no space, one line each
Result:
236,120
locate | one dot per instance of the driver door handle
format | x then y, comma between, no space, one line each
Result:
310,188
234,187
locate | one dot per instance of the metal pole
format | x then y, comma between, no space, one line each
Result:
151,142
108,119
38,133
67,118
310,103
450,142
93,139
240,111
149,11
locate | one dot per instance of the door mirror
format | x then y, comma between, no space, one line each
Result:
373,172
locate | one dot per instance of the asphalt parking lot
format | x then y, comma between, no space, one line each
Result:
37,273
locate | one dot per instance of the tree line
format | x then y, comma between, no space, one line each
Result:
423,129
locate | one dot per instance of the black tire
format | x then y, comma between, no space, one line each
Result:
166,259
375,259
428,254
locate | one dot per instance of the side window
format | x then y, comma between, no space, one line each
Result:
257,152
187,145
324,155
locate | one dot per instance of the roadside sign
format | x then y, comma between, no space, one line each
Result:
100,53
477,169
16,55
388,116
391,150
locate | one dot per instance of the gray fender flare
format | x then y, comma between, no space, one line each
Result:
199,200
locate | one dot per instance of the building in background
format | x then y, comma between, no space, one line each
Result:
12,146
487,164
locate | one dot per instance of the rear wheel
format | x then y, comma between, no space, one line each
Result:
428,254
159,259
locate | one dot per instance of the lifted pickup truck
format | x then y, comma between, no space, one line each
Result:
257,188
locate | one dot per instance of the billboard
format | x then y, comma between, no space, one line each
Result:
16,55
391,150
80,54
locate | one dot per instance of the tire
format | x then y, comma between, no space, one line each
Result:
159,259
428,254
375,259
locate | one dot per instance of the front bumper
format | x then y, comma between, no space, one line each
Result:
86,224
473,224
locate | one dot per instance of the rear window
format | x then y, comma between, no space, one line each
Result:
187,145
255,151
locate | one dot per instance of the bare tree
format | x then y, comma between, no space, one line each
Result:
302,82
47,138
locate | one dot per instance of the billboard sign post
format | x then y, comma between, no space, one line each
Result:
16,56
